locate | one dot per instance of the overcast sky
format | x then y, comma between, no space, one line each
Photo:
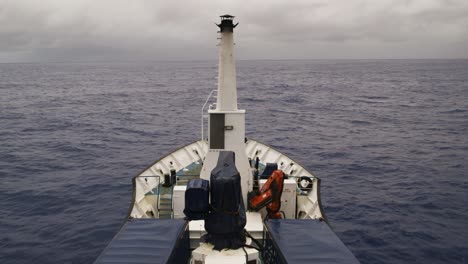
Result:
115,30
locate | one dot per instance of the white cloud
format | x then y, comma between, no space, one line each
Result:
117,29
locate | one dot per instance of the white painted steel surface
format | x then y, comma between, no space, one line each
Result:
206,254
178,201
227,87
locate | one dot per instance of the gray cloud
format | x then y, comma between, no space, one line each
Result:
56,30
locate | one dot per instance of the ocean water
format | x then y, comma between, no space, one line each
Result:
388,138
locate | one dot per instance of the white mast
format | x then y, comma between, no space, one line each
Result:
227,123
227,89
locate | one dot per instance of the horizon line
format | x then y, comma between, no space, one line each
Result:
214,60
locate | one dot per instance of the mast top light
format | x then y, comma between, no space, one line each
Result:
226,23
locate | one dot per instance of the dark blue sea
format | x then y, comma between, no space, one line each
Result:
388,138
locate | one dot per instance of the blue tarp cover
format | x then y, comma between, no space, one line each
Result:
144,241
308,241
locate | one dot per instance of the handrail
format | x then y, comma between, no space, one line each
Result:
202,113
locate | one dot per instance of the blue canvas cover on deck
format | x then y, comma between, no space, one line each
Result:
304,241
226,221
197,198
154,241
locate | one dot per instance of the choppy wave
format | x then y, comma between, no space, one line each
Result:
388,144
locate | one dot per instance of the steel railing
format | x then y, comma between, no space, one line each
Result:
203,115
